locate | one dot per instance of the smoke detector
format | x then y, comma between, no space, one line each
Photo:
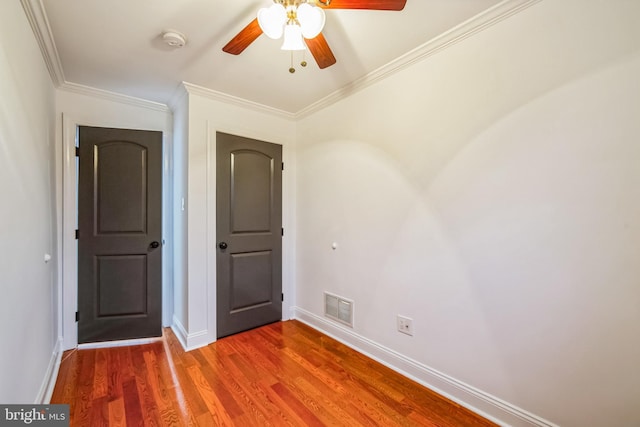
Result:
174,38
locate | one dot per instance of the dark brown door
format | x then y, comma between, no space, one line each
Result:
249,225
119,246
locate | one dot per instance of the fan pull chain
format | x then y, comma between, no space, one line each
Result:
304,58
291,69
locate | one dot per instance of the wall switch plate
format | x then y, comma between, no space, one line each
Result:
405,325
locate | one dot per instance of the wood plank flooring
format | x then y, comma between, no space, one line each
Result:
281,374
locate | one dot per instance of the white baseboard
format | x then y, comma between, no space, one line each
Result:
482,403
189,341
51,375
118,343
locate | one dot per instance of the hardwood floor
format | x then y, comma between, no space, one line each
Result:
285,373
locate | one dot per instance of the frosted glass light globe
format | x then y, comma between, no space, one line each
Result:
272,19
311,19
293,38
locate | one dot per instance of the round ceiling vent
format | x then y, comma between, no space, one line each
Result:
174,38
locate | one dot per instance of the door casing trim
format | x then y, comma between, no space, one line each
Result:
288,240
68,259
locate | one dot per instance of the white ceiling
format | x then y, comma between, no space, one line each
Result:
116,45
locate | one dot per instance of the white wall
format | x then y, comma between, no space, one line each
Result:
78,106
196,321
490,192
180,109
28,335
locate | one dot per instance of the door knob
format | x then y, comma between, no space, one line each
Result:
154,244
223,245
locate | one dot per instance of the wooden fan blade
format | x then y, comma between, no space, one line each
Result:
244,38
321,51
363,4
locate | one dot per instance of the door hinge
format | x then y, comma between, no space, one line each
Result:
282,231
77,316
77,151
282,165
281,297
77,234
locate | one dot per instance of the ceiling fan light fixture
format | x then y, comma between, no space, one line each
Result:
293,38
308,26
311,19
272,19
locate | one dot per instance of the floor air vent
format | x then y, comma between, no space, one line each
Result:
338,308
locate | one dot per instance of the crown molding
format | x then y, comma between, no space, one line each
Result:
113,96
478,23
34,10
37,18
234,100
179,94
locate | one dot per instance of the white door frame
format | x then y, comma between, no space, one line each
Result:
69,259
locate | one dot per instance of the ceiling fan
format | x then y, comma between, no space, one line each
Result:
301,23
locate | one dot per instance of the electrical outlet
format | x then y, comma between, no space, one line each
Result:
405,325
